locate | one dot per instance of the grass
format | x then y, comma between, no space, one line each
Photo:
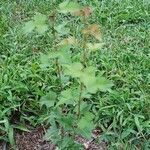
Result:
123,114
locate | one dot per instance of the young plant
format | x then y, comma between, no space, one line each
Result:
77,80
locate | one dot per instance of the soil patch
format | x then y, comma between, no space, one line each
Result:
34,141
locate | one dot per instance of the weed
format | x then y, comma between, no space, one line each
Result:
25,82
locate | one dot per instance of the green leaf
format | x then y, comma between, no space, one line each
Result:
103,84
49,99
68,96
87,77
39,19
2,121
6,124
21,128
86,95
41,28
69,7
94,46
136,119
53,134
85,121
93,83
62,54
84,107
74,69
65,55
126,133
28,27
85,132
90,71
86,124
68,41
65,98
69,143
63,4
11,136
67,122
66,143
146,124
54,54
90,82
38,23
44,61
61,29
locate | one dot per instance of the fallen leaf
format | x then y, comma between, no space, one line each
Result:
93,30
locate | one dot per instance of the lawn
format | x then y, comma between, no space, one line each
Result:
122,113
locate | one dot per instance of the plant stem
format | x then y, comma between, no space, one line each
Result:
84,64
84,45
58,68
84,50
80,100
53,24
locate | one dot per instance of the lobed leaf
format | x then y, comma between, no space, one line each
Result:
68,96
69,7
49,99
41,28
74,69
61,29
39,19
28,27
62,53
86,125
44,59
38,23
94,83
53,134
67,121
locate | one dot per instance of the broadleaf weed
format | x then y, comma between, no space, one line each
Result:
83,80
66,87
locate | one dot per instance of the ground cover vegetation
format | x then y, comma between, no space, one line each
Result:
76,66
